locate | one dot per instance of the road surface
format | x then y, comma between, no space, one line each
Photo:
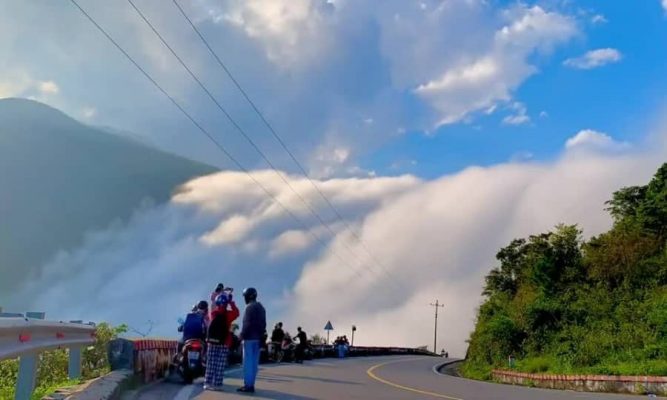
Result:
373,378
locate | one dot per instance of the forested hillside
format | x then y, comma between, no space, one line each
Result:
560,304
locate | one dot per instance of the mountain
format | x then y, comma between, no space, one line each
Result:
60,179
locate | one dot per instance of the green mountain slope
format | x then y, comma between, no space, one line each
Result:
60,178
563,305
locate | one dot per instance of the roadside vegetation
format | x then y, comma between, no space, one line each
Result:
559,304
52,369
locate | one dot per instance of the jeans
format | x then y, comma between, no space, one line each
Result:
250,362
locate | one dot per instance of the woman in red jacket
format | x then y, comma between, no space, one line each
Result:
219,340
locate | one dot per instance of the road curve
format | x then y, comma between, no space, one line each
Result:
373,378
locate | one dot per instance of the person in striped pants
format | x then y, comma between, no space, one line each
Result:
219,340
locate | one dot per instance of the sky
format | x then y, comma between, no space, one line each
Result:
441,129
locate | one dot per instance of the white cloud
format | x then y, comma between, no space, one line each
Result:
287,29
492,77
331,160
19,83
664,5
599,19
89,112
48,87
420,231
519,117
289,242
594,59
591,139
14,83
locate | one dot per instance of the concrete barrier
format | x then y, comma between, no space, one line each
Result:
589,383
148,358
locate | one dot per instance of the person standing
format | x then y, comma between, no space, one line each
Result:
302,346
254,326
219,340
217,292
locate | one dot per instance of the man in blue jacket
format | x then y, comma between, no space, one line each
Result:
254,325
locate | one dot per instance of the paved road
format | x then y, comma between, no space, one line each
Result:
391,378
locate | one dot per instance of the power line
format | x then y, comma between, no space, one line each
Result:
238,128
208,134
281,141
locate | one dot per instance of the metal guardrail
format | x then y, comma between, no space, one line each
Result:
21,335
26,338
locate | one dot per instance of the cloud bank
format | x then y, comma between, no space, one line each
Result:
429,239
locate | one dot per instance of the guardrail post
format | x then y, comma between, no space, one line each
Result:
25,383
74,366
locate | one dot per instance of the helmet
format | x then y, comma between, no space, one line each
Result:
221,300
250,294
202,305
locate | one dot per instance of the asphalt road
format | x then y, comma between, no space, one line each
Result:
391,378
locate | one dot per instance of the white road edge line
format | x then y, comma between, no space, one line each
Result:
184,394
437,367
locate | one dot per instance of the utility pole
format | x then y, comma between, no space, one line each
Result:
437,305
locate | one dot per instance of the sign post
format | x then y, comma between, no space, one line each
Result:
328,327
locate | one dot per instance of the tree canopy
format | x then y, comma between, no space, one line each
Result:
561,304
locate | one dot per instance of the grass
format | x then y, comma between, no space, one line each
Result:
7,393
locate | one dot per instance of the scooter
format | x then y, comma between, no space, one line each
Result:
190,362
275,351
287,349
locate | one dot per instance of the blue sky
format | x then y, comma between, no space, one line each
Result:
352,88
622,99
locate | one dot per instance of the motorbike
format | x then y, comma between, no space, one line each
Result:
287,349
275,351
190,362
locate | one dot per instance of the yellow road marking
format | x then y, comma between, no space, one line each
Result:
371,373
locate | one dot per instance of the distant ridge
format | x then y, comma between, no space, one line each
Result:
60,178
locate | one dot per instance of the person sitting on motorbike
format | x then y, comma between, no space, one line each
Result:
278,334
194,326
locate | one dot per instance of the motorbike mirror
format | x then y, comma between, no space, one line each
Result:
181,321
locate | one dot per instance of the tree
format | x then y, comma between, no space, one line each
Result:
95,361
317,339
563,305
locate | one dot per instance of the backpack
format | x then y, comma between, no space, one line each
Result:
218,329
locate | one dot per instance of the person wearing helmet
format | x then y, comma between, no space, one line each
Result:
217,292
254,325
194,326
219,341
